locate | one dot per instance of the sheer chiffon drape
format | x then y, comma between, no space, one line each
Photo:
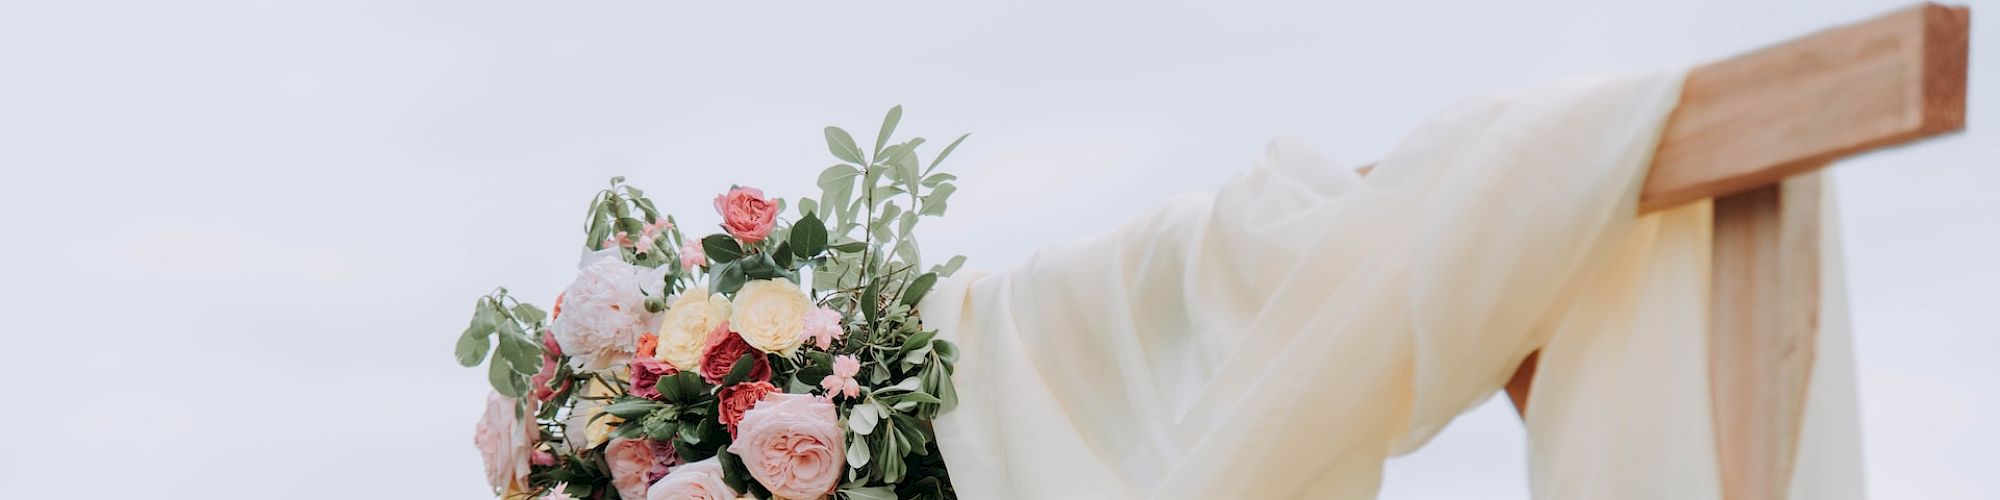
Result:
1284,335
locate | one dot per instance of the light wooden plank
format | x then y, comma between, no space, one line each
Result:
1754,119
1763,329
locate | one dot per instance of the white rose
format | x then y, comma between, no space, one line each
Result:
684,328
770,315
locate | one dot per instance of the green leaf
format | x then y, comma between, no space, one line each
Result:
949,266
528,313
503,379
682,387
472,349
842,145
918,340
934,179
721,248
936,202
633,408
808,236
807,206
850,247
947,152
863,418
918,287
857,453
733,472
741,370
868,493
888,127
728,279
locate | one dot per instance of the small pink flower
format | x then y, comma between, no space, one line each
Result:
645,243
559,492
842,380
543,458
746,213
619,240
692,256
822,327
656,226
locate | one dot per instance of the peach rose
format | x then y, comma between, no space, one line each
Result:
747,214
506,444
631,462
791,444
696,481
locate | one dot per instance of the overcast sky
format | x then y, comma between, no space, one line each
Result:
241,237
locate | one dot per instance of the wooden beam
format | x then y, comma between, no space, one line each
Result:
1754,119
1763,331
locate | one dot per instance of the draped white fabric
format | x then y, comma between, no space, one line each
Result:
1283,336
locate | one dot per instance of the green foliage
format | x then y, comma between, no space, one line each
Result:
500,326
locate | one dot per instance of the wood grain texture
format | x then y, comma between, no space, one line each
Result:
1754,119
1763,330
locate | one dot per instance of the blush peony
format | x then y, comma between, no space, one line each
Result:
770,315
746,213
684,328
695,481
506,444
791,443
604,311
723,349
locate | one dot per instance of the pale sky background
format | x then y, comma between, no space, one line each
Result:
241,237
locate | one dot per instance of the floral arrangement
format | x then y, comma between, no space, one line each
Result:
771,359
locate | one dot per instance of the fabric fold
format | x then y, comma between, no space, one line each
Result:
1286,334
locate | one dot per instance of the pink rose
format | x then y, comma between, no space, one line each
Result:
629,461
732,401
791,443
506,444
636,463
724,348
696,481
746,213
646,374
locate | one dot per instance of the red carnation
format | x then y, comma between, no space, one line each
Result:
732,401
724,348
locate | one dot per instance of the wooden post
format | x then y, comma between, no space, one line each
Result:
1763,327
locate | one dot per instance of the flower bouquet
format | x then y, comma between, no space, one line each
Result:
772,359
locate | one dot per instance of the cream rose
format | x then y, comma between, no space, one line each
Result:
684,328
770,315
